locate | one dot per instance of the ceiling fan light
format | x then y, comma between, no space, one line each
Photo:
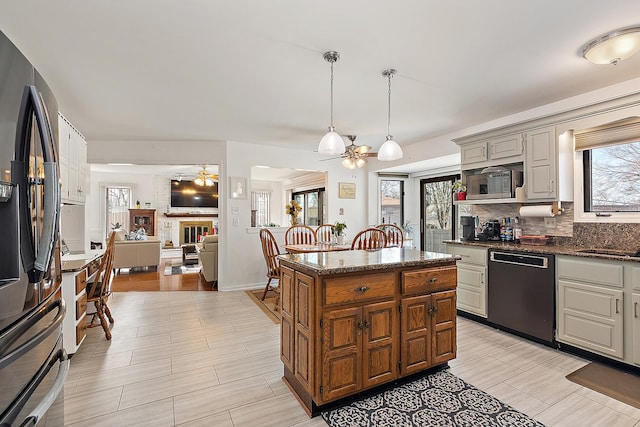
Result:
331,143
613,47
390,150
198,181
360,162
348,163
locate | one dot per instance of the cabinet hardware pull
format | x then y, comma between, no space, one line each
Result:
366,324
360,325
617,308
482,278
361,289
635,309
433,280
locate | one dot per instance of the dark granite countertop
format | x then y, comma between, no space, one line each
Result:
325,263
580,251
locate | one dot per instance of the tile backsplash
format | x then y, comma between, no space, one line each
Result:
622,236
530,226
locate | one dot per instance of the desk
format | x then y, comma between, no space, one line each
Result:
319,247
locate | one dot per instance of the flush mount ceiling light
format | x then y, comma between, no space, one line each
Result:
613,47
205,178
331,142
390,150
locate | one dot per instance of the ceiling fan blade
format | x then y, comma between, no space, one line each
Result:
362,149
369,155
331,158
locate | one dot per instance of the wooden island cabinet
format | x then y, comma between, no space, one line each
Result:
355,320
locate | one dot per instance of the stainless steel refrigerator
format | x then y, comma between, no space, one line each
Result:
33,364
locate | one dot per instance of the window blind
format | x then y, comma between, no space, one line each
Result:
620,132
260,202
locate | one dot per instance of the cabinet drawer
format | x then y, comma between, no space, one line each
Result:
428,281
93,266
469,255
81,306
81,330
360,288
591,271
81,281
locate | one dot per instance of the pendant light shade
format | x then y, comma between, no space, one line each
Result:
331,143
390,150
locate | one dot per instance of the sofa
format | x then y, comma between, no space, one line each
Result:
136,253
209,258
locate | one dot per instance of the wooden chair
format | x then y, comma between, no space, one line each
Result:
324,233
270,251
300,235
369,238
395,236
99,289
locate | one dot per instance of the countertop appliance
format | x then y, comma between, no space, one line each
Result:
33,364
493,185
521,293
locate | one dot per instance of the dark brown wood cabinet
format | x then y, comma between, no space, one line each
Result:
344,333
143,218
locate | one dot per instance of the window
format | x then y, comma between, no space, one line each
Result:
607,161
313,206
391,201
611,178
437,212
118,202
261,205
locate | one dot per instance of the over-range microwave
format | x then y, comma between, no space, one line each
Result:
493,185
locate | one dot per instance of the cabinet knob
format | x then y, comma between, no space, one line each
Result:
433,280
361,289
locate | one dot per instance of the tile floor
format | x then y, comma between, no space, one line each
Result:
211,359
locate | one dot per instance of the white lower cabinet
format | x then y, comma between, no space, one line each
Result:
635,326
472,278
591,317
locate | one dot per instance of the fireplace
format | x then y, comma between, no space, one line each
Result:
190,230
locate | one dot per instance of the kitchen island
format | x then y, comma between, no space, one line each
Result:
355,320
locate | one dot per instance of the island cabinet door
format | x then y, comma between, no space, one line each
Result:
443,325
286,321
303,329
341,353
415,335
379,326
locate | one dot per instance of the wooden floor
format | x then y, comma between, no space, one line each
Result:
146,279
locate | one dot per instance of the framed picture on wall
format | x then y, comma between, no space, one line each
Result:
347,190
237,187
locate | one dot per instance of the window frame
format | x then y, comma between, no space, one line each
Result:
401,180
322,197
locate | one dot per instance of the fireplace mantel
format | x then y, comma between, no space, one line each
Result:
189,215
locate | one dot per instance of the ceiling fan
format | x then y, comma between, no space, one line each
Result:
354,155
204,178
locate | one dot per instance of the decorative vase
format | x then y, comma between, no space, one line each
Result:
340,239
294,220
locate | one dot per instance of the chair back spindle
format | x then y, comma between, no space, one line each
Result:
369,238
300,235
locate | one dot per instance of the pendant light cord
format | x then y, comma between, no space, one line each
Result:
332,94
389,109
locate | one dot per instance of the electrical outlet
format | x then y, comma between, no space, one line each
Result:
550,222
236,222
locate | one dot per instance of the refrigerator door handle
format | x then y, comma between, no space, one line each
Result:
18,330
56,388
12,412
36,260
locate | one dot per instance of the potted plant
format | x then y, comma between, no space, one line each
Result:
338,231
460,189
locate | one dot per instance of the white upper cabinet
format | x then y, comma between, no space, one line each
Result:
540,166
72,162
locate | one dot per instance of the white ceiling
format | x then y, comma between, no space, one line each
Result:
253,71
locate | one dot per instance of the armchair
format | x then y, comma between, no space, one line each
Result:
209,258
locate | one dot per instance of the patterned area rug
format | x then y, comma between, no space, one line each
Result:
176,267
438,399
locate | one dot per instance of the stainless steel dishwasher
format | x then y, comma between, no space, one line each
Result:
521,293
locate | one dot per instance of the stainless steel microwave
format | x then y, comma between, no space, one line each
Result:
493,185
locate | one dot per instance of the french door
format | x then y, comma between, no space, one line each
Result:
437,213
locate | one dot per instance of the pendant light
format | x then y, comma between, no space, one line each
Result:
390,150
331,143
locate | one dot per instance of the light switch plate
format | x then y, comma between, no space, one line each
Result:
236,222
235,210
